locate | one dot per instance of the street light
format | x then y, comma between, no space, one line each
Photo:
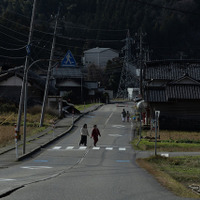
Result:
25,99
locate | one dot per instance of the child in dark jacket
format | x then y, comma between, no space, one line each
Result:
95,134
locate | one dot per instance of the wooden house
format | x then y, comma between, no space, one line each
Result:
173,88
11,84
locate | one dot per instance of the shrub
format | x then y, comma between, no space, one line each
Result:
37,110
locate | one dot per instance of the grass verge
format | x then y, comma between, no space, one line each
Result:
176,174
149,145
82,107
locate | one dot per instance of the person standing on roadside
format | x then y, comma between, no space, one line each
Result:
84,134
127,116
123,115
95,134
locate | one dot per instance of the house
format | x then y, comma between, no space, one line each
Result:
173,88
99,56
11,84
68,79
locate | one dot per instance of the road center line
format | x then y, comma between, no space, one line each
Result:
108,118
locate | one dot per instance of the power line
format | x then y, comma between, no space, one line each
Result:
9,57
18,14
82,39
167,8
13,37
93,29
13,31
13,49
14,22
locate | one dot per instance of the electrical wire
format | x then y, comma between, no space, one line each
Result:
8,43
167,8
13,31
92,29
2,56
14,22
16,13
13,49
13,37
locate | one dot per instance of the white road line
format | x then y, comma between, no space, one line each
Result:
109,118
82,148
69,148
122,149
109,148
118,126
115,135
36,167
96,148
57,148
165,154
6,179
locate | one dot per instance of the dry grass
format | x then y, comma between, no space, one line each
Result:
8,120
166,180
175,135
7,134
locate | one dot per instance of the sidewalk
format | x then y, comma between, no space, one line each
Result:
8,155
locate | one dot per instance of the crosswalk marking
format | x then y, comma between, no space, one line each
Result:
70,148
82,148
96,148
57,147
109,148
85,147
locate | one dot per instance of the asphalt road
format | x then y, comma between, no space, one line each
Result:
65,171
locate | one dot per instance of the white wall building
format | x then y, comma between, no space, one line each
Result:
99,56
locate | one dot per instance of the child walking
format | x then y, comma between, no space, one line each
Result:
84,134
95,134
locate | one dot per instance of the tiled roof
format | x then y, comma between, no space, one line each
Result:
181,81
171,70
183,92
155,95
67,72
172,92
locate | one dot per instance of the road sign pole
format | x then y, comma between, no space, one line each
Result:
16,138
157,113
156,136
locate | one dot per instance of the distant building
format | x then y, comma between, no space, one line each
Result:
99,56
71,79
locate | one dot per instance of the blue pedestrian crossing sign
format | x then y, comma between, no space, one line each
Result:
68,60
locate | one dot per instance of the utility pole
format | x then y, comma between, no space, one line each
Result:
24,83
126,77
49,71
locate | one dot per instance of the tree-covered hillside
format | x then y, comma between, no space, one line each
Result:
172,26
